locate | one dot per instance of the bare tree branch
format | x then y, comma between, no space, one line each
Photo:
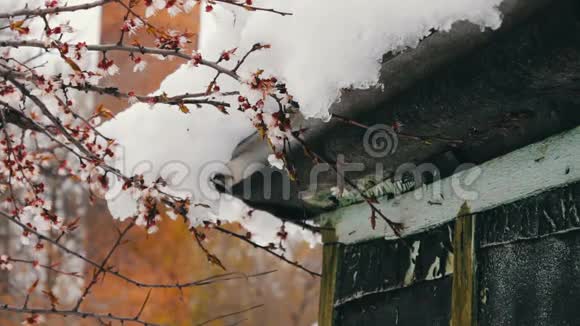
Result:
230,314
15,117
46,11
101,268
75,313
242,4
125,48
48,267
206,281
395,226
265,248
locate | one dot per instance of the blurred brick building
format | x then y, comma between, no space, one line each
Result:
149,80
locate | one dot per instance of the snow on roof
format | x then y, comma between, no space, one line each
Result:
325,46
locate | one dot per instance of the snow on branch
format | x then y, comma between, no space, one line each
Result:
255,65
47,133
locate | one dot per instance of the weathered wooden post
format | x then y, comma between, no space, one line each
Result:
463,296
330,265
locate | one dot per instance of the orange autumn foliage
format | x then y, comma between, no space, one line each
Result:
172,255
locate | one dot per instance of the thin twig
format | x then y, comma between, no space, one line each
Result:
48,267
68,313
47,11
173,100
230,314
265,248
101,268
395,226
138,315
125,48
400,134
254,8
206,281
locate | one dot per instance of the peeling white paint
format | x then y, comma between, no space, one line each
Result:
483,295
410,274
433,272
574,209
